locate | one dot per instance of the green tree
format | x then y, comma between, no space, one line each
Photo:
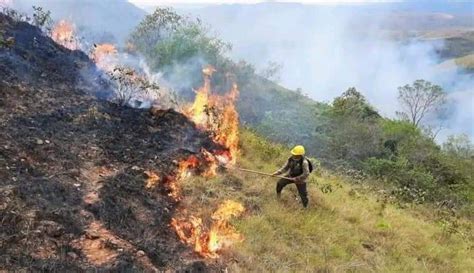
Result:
155,27
353,103
354,131
419,99
167,38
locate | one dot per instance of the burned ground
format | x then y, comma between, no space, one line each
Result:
72,167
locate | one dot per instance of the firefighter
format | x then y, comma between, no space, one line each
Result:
297,168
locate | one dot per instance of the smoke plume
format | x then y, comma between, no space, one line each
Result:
326,49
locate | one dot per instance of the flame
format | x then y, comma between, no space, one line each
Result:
173,188
208,241
185,165
228,135
105,56
152,179
227,210
211,164
218,115
63,33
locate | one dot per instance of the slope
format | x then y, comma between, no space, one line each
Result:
74,169
349,227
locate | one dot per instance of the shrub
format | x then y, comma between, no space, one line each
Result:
16,16
42,19
128,84
411,183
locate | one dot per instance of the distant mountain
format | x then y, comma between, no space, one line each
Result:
116,17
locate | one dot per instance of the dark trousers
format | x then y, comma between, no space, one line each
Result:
300,186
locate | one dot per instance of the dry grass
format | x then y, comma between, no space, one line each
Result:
344,230
466,62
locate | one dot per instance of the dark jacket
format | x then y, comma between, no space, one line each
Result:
295,168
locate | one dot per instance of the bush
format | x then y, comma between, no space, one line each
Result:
129,84
16,16
42,19
6,42
411,184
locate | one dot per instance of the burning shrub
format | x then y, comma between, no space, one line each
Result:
104,56
218,115
63,33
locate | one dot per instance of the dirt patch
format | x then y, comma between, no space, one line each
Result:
101,248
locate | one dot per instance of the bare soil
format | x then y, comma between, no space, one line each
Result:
73,195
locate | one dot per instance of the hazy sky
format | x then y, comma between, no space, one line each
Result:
167,2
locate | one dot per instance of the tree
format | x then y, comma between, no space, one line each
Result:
352,103
272,71
354,132
459,145
154,28
178,46
419,99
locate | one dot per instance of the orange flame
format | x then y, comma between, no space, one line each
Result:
105,56
63,33
218,115
184,166
173,188
152,179
207,242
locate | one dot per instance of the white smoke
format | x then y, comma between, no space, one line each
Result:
324,50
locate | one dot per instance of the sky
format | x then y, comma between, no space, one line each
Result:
167,2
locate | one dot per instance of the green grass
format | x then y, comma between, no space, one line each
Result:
348,229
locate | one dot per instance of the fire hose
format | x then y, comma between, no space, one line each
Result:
261,173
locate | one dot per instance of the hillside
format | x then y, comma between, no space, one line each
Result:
90,184
74,169
350,225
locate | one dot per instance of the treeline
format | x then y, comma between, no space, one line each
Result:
347,135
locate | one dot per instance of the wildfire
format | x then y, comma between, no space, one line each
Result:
105,56
174,190
208,241
152,179
63,33
191,162
218,115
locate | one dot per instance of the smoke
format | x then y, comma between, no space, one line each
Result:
325,50
5,3
101,21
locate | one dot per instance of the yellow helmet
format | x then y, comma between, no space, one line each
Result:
298,150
